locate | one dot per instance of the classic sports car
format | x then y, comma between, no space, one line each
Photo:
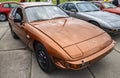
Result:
5,8
89,12
57,39
107,6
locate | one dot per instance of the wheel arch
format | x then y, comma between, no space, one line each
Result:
37,41
92,21
34,43
3,13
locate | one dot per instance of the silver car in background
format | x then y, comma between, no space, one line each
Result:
89,12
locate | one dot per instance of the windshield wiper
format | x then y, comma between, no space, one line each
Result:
87,11
59,17
40,20
96,10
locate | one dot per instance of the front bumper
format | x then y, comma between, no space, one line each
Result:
85,62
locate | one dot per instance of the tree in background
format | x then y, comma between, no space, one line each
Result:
58,2
22,0
37,0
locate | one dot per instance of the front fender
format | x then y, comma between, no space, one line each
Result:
51,46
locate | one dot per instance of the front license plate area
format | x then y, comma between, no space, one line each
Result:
84,64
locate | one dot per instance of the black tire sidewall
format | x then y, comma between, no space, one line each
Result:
50,67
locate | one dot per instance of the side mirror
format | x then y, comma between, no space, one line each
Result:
73,10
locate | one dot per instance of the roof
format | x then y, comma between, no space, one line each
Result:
29,4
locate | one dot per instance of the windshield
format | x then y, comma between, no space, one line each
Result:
87,7
44,13
108,5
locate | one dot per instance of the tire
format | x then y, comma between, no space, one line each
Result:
3,17
43,58
13,33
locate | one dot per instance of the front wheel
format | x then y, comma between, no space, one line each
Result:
43,58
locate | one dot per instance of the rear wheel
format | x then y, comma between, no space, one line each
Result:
3,17
13,33
43,58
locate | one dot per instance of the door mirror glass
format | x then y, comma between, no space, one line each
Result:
73,10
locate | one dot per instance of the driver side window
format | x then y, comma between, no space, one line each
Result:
71,6
19,14
64,6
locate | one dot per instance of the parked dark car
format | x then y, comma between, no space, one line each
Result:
89,12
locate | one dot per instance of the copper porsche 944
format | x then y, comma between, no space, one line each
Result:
57,39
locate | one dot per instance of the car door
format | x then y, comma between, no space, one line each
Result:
20,27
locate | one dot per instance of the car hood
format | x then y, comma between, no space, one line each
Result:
105,16
73,35
113,10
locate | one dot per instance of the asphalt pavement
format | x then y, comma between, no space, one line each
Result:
18,61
